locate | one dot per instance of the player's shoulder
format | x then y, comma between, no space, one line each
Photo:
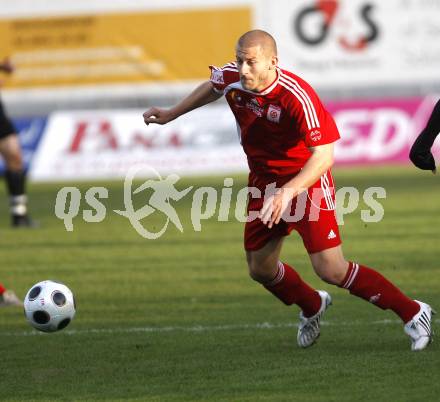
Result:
296,93
289,80
224,75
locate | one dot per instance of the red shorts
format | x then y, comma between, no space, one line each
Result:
312,215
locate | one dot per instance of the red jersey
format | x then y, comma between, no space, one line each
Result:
277,125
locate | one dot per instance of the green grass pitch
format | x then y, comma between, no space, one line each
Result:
178,319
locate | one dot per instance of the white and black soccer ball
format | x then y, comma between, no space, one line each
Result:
49,306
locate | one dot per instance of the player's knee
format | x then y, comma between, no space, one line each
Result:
330,272
255,272
14,161
333,278
260,276
258,271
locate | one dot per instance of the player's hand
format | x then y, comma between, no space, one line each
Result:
421,155
158,116
7,66
276,205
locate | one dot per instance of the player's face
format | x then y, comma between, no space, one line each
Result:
255,67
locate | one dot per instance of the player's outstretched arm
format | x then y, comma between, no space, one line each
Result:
420,153
201,96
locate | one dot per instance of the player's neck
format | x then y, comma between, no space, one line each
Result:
271,78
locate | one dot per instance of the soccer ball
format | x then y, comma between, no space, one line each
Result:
49,306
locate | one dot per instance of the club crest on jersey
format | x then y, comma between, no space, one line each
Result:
274,113
315,135
217,77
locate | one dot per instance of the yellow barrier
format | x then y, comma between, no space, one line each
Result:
163,46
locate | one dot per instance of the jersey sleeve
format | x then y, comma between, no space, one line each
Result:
314,123
221,77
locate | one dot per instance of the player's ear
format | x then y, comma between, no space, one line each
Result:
273,63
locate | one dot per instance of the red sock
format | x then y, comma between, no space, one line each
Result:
2,289
291,289
369,285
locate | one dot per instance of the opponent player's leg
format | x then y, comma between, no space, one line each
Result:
420,153
15,179
285,283
370,285
8,298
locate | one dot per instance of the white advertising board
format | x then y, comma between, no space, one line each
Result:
337,44
107,143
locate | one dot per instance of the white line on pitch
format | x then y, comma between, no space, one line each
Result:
202,328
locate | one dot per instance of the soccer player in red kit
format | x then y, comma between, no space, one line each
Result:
288,137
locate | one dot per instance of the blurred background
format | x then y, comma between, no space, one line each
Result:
85,71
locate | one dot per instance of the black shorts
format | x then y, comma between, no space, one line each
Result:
6,126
